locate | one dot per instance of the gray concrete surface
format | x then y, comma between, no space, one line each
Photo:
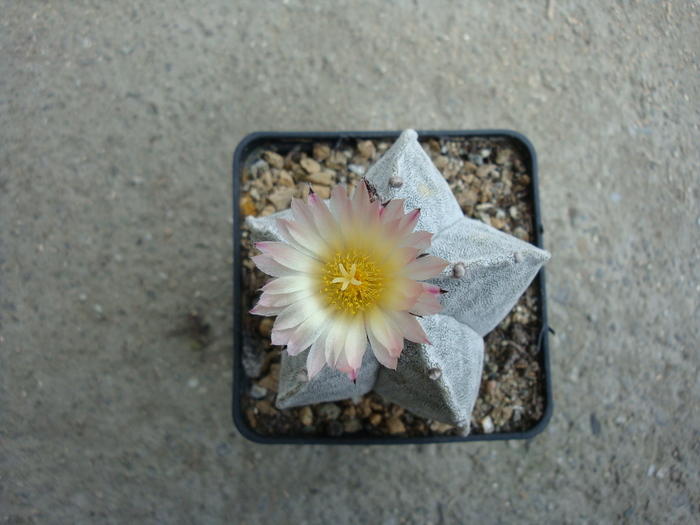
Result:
118,121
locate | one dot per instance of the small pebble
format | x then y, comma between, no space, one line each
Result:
323,192
82,297
306,416
193,382
285,179
266,325
274,159
310,165
478,160
329,411
321,152
487,425
281,197
334,428
97,309
352,425
357,169
485,153
375,419
395,426
366,149
439,427
257,391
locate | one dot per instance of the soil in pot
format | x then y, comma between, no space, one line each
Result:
490,181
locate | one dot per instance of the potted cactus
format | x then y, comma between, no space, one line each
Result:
389,290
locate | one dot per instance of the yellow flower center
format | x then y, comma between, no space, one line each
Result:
352,282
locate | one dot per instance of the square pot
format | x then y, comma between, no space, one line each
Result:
450,151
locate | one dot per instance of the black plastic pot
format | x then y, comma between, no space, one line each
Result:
245,154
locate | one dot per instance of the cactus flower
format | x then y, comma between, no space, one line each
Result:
347,275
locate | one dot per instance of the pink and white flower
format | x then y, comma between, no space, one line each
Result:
345,276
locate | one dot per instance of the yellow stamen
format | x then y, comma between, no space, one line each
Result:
354,289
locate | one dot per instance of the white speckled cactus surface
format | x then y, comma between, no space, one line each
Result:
488,271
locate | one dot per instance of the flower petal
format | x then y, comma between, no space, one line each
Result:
267,264
384,330
424,267
267,311
325,222
419,240
380,351
284,299
427,303
308,331
289,256
290,284
356,342
392,211
316,358
410,327
293,316
281,337
302,242
335,340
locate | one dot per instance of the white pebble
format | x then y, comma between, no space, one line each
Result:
487,425
193,382
97,308
82,297
357,169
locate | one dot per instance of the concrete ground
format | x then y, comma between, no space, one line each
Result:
118,121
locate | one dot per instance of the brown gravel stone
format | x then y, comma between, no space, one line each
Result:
375,419
281,197
266,326
325,177
310,165
395,426
364,409
274,159
324,192
271,380
352,425
336,161
248,206
485,170
265,407
268,210
366,149
286,179
321,152
441,161
504,156
439,427
306,416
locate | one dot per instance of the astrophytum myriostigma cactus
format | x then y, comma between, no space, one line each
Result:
358,287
